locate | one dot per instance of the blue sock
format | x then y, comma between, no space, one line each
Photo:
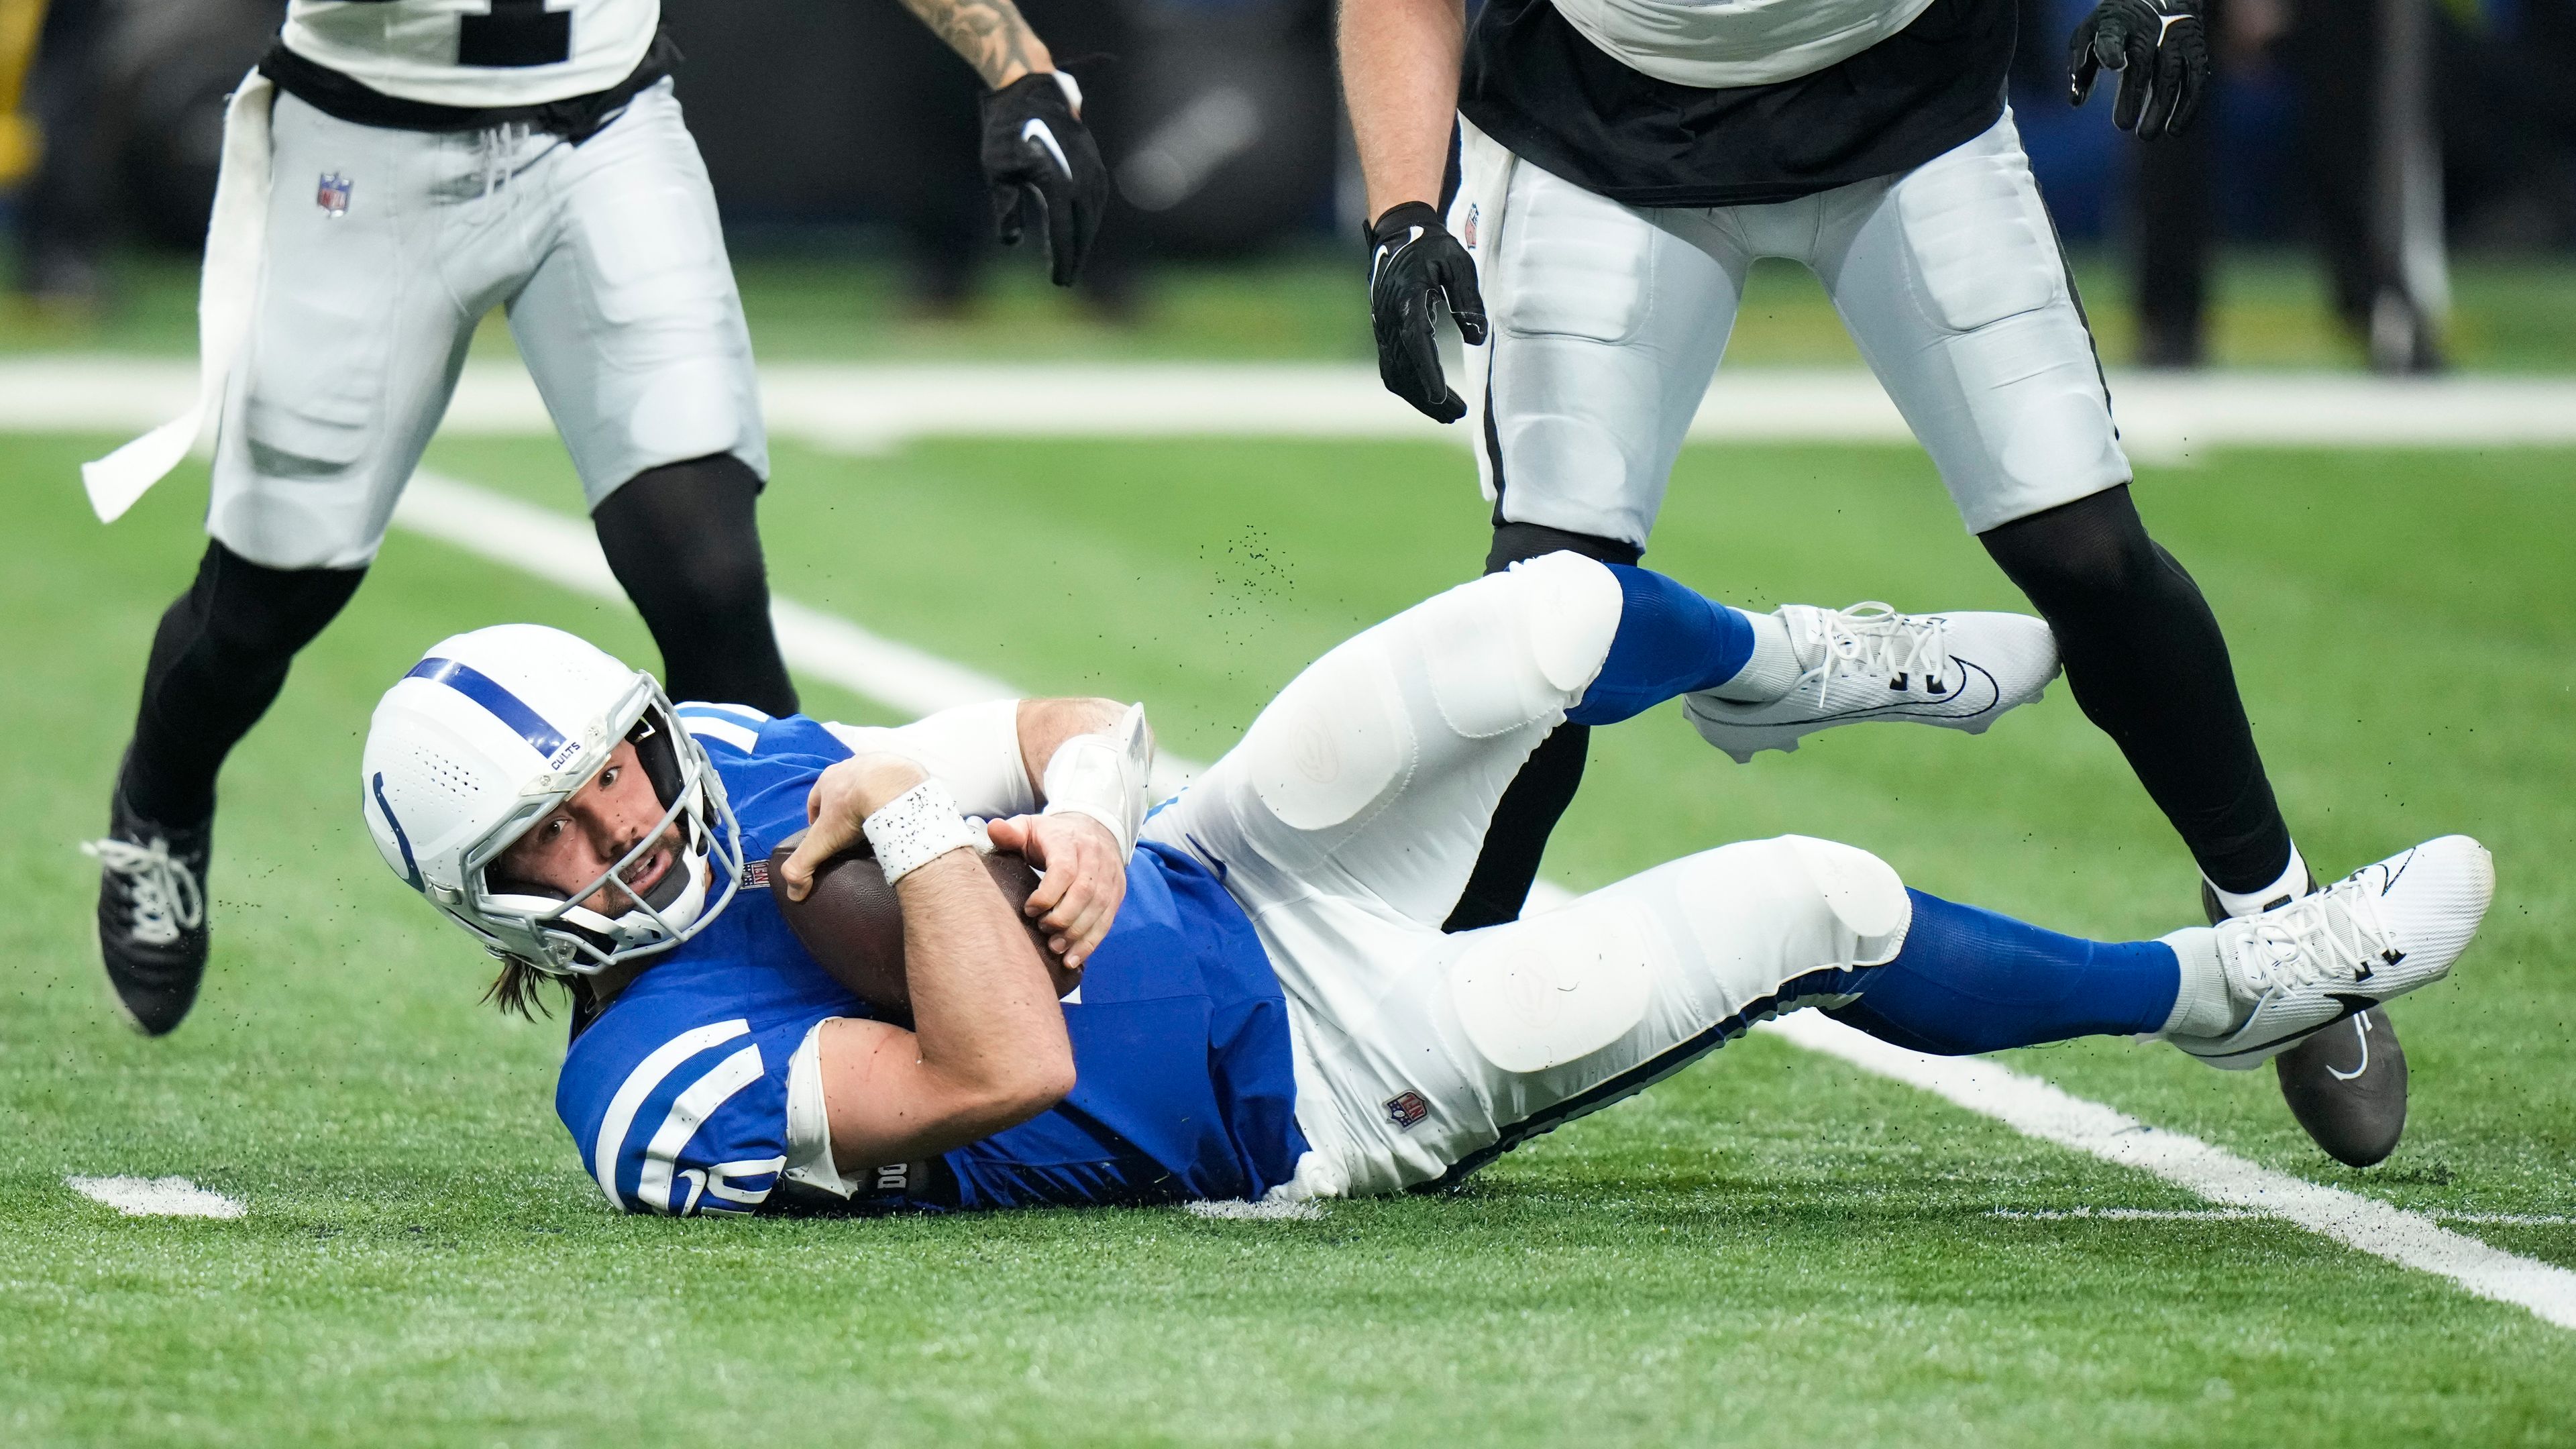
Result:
1974,981
1671,641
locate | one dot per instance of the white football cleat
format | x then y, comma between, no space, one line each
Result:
2375,935
1867,662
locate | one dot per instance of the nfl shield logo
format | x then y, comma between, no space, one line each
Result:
1474,211
332,194
1407,1110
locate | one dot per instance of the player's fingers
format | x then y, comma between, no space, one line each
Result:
1466,303
2190,76
820,844
1430,390
2081,65
1050,892
2137,83
1006,213
1010,834
2157,120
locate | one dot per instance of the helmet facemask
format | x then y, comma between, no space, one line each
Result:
554,933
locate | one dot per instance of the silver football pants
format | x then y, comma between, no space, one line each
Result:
1609,320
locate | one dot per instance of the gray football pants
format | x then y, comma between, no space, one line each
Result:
606,254
1608,322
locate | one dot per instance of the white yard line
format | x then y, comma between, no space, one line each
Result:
2037,1109
156,1197
562,550
869,407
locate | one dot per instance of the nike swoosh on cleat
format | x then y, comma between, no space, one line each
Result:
2361,1029
2352,1006
1036,130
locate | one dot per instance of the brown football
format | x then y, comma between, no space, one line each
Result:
852,922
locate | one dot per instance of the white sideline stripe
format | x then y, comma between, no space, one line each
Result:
553,547
2038,1109
565,552
872,407
2225,1215
156,1197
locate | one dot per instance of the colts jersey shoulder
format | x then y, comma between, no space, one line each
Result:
738,730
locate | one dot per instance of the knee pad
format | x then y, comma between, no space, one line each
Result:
1552,989
1334,743
1512,648
1793,905
1861,890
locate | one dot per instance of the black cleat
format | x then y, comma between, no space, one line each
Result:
152,915
2347,1083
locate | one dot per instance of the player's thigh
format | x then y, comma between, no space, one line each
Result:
1376,771
1952,282
631,324
1500,1034
1607,323
354,345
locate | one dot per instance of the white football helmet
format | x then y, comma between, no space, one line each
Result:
485,736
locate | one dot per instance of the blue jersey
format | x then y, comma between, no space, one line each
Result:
676,1093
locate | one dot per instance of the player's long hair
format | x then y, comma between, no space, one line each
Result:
520,989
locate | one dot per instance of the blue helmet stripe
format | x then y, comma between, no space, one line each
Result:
506,707
411,867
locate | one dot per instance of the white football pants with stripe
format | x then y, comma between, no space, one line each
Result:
1608,322
1346,821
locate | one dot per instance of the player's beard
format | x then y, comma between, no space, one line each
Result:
657,877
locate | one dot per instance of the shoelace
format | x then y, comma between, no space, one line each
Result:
161,887
2336,934
1871,640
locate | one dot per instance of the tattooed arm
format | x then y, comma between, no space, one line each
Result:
989,33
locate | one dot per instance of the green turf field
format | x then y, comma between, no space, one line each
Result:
1773,1248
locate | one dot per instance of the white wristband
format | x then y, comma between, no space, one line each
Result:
919,826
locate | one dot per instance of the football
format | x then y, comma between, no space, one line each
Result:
852,922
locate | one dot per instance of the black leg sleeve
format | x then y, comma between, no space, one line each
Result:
2148,664
1538,796
683,540
218,660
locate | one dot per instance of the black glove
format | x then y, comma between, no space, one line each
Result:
1039,157
1413,258
2161,50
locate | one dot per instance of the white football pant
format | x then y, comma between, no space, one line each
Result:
1346,822
1608,322
606,254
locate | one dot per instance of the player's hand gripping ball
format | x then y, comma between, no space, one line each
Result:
2160,49
851,922
1040,160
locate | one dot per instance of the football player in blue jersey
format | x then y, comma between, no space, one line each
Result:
1261,1000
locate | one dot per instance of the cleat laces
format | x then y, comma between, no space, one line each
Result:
159,886
1872,640
2334,935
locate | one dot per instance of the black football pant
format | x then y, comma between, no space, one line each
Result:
681,539
2143,654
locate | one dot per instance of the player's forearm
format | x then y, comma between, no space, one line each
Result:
983,1006
1400,79
990,35
1045,724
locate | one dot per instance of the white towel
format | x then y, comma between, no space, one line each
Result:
235,237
